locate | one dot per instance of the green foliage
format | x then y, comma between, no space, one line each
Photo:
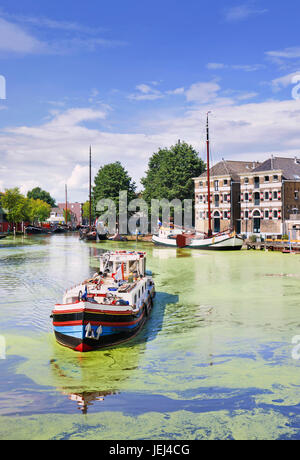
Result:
16,205
69,215
39,194
170,173
20,209
38,210
86,211
110,181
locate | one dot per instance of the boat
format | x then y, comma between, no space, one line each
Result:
3,236
181,238
117,237
108,309
174,236
31,230
88,234
60,229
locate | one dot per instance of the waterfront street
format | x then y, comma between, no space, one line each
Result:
215,361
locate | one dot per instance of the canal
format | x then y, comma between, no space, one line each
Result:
215,361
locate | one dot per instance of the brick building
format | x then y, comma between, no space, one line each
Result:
76,210
251,198
270,194
224,196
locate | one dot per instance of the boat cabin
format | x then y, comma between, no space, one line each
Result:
129,262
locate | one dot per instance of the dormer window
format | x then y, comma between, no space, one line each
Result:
246,180
275,178
267,179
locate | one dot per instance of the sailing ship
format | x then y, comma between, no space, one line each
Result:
182,238
108,309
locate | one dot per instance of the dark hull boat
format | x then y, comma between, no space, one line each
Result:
2,237
60,229
30,230
108,309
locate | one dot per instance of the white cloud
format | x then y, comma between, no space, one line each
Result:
56,152
243,67
287,53
202,92
146,93
242,12
285,81
176,91
15,38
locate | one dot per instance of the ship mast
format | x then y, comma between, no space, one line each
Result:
90,190
66,207
208,178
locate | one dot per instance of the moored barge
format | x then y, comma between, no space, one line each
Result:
109,308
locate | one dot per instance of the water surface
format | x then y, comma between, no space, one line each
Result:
213,362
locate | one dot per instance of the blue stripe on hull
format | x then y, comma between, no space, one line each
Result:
80,331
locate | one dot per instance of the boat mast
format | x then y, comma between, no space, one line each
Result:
90,190
208,177
66,204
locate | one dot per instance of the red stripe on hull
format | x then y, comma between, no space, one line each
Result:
81,310
96,323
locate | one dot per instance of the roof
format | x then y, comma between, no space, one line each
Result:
290,167
231,168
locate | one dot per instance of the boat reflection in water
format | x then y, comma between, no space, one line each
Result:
89,379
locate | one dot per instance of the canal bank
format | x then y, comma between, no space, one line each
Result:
214,362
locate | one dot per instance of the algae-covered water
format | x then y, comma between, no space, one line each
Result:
213,362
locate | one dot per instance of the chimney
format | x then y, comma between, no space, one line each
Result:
272,161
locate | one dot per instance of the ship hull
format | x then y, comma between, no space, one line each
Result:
85,327
218,243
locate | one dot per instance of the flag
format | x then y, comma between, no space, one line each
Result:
119,275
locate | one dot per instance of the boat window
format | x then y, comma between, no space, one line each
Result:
135,299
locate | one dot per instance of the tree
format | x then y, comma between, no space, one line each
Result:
38,194
68,215
86,211
110,181
170,173
16,205
38,210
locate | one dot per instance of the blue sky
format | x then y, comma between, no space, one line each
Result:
131,76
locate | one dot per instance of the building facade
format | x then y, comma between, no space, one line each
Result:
250,198
224,196
269,195
76,210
